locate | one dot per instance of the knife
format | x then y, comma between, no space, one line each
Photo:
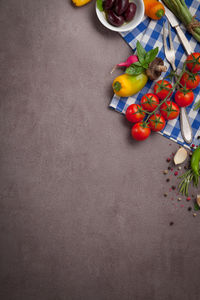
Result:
185,126
174,23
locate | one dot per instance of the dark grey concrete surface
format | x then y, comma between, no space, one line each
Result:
82,212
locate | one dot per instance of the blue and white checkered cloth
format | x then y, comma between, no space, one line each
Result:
149,33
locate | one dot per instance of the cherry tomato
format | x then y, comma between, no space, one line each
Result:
193,62
140,131
162,88
184,97
135,113
169,110
149,102
191,80
156,122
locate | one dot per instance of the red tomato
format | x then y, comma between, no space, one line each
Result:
193,62
156,122
191,81
140,131
162,88
169,110
149,102
184,97
135,113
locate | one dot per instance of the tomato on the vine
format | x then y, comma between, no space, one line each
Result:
162,89
149,102
156,122
190,80
169,110
184,97
193,62
140,131
135,113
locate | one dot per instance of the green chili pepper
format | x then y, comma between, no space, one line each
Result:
195,161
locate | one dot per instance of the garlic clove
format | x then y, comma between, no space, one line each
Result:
198,200
180,156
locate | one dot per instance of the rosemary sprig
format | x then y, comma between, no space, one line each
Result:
187,177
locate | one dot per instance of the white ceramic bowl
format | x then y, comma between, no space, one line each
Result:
126,26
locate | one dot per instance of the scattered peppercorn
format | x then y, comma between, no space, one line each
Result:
179,168
176,173
193,145
194,214
188,198
189,208
168,159
179,199
171,223
198,137
165,194
165,172
167,179
169,168
173,187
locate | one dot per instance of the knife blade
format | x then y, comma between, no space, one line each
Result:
174,23
186,129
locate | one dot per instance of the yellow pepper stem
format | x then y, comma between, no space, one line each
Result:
117,86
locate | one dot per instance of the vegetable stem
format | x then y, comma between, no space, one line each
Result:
181,11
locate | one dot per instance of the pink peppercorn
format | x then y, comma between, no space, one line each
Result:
168,159
193,145
188,198
176,173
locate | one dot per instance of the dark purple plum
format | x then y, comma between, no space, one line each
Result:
120,6
108,4
114,19
130,12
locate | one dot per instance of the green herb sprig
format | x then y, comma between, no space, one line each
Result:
100,5
144,59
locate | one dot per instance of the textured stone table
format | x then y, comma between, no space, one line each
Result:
82,212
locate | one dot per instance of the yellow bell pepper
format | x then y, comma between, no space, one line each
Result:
80,2
127,85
